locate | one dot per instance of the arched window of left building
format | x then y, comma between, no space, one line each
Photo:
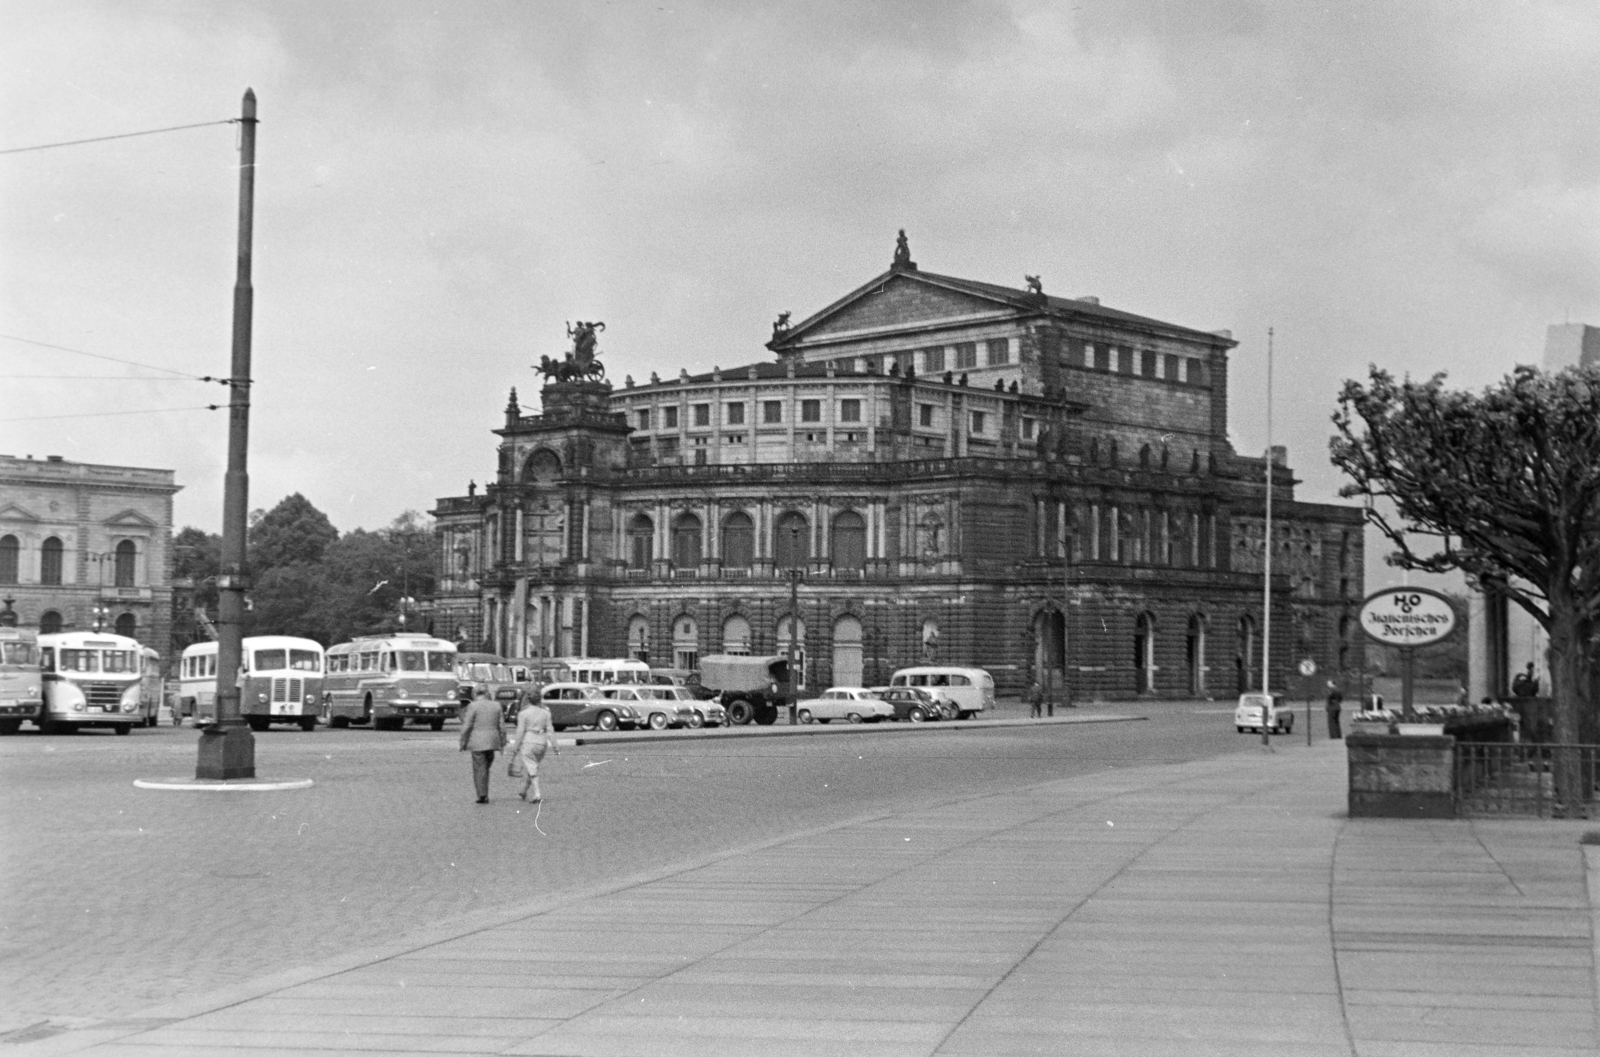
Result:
50,561
641,541
126,553
10,551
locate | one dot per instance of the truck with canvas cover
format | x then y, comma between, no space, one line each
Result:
750,688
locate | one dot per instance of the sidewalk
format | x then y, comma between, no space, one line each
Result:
1221,907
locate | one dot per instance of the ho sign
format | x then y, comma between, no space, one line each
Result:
1407,617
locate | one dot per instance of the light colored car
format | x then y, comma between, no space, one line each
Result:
656,707
853,704
705,712
1247,716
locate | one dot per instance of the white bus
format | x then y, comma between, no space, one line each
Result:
91,679
387,680
604,670
21,693
281,681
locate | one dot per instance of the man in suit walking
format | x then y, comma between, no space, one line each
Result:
482,735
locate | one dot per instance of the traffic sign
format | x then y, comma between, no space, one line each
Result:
1308,667
1407,617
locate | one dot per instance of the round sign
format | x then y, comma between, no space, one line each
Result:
1407,617
1308,667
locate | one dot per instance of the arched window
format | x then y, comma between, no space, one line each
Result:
738,541
792,541
641,541
50,561
639,639
1194,649
10,550
685,643
847,666
125,558
849,541
542,467
686,541
128,626
1144,653
736,635
49,622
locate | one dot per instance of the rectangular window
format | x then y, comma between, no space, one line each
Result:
999,351
1124,360
733,438
735,414
1169,367
644,419
811,411
1196,375
667,445
925,415
849,411
669,418
1147,363
966,355
772,412
933,360
702,414
977,421
1027,429
1102,357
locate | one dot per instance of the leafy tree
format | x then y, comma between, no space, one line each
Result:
196,559
293,532
1503,485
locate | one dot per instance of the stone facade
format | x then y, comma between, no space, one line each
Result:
955,471
84,545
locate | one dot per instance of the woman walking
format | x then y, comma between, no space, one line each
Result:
535,735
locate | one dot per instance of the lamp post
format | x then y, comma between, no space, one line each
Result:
795,572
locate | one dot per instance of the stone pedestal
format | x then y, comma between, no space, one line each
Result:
1401,776
226,751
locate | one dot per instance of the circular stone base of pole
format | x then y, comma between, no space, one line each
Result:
224,785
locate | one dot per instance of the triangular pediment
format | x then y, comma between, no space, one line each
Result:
899,300
129,518
13,512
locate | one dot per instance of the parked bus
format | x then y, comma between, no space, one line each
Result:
604,670
21,682
91,679
151,686
281,683
387,680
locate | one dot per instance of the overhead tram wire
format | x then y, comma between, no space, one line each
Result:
113,359
109,414
120,135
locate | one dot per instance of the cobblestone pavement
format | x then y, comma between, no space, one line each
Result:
118,898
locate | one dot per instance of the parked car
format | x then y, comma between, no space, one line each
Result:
916,704
656,707
583,705
972,689
1247,716
704,712
853,704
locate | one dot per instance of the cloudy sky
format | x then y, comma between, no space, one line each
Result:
441,186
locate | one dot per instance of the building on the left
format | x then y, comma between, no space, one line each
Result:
87,547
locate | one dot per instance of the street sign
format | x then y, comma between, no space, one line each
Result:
1407,617
1308,667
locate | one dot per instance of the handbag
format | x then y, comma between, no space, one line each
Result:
514,768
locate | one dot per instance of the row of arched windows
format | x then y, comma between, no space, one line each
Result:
50,622
791,541
51,553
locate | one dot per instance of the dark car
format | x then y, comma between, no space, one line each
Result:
583,705
912,703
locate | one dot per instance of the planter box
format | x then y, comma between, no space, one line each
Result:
1414,729
1401,776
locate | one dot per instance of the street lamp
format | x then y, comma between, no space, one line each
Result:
795,573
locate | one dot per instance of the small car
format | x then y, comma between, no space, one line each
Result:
915,704
582,705
656,707
706,712
853,704
1248,715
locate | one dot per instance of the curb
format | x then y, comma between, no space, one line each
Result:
831,730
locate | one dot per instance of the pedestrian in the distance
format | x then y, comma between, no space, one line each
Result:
535,735
482,735
1335,701
1036,700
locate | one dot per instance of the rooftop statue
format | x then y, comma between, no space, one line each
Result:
580,363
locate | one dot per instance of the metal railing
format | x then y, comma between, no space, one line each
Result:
1527,778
